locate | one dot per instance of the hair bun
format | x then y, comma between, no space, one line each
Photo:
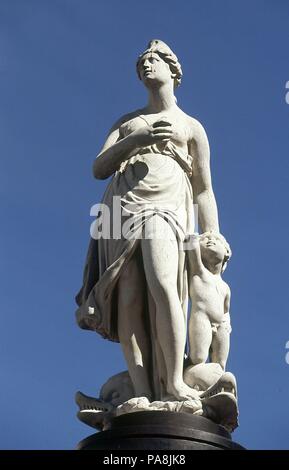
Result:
166,54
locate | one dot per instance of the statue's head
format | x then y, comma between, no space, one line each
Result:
158,62
214,247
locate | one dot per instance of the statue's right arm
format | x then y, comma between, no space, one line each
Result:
114,151
118,149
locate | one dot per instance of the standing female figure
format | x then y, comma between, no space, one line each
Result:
135,286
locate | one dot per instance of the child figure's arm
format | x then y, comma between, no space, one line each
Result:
194,254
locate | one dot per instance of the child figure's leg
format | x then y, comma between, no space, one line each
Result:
221,345
200,338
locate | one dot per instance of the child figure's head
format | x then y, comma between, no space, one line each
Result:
215,250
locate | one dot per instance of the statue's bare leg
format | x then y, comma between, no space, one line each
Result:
160,258
200,337
221,346
132,331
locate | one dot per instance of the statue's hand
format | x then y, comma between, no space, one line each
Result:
161,130
192,241
193,237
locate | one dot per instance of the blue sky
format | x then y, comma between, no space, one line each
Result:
67,72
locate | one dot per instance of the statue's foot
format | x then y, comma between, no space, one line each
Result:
133,405
181,392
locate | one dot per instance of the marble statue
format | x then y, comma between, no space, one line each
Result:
136,285
209,323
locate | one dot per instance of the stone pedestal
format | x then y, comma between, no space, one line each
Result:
157,430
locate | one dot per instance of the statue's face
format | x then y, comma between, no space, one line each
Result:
212,248
154,70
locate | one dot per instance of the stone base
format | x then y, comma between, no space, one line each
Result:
159,430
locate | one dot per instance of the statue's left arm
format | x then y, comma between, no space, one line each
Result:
201,180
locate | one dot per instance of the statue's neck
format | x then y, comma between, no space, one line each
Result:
214,268
161,99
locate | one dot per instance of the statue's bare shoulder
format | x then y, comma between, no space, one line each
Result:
125,118
114,133
197,131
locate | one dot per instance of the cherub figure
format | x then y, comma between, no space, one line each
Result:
209,324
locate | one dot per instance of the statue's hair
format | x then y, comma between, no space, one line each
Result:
166,54
225,243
